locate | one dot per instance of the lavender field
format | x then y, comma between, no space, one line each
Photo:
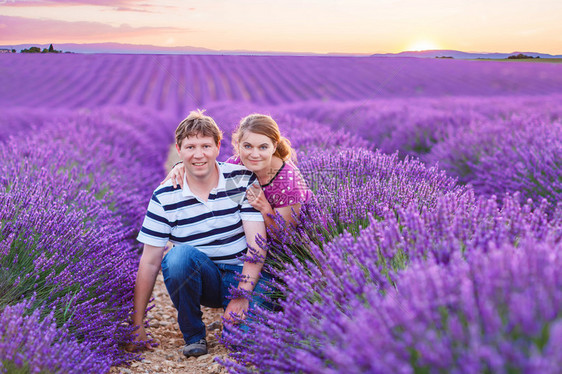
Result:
434,244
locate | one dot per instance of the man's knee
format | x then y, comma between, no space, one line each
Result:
182,261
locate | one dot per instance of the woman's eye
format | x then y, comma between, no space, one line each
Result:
247,146
263,147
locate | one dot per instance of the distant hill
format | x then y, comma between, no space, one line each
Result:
121,48
461,55
113,48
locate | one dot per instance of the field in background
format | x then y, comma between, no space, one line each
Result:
176,84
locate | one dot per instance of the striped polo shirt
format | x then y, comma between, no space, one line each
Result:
214,226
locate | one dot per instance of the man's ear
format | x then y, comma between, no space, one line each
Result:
219,145
178,148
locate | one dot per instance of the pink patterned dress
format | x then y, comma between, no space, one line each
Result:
287,187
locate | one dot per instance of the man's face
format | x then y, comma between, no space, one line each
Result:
199,154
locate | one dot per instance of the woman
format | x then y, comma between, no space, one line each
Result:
260,147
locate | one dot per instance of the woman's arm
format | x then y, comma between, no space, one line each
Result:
287,213
257,199
251,270
176,175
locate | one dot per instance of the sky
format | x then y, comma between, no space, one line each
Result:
319,26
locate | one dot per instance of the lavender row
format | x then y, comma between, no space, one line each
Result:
501,144
409,293
498,311
71,200
175,84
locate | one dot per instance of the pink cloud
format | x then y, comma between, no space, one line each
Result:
129,5
20,29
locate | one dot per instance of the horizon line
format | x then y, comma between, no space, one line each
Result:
202,50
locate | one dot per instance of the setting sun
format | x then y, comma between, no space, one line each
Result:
423,45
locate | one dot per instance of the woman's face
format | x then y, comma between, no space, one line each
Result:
256,151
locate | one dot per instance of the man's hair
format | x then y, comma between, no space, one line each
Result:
198,124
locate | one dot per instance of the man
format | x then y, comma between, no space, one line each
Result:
211,224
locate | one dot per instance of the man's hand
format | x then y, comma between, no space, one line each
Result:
238,306
176,175
149,266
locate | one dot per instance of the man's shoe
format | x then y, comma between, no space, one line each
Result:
195,349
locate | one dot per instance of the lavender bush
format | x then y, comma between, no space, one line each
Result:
69,198
496,312
352,277
350,186
524,157
31,344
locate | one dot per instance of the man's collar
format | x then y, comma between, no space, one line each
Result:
186,191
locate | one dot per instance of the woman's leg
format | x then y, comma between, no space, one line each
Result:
192,279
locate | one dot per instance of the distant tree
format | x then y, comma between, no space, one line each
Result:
519,56
13,50
51,49
31,50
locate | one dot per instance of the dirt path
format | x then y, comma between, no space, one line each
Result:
167,357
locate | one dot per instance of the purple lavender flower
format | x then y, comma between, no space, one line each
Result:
36,344
68,199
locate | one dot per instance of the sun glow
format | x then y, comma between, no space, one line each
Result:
423,45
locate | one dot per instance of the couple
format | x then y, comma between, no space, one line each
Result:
212,218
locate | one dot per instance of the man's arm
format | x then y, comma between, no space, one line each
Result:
251,271
149,267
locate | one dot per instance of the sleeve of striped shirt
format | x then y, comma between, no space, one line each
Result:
248,212
156,228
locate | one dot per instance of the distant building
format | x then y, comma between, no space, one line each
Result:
5,50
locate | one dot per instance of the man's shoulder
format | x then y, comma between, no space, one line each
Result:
167,192
234,170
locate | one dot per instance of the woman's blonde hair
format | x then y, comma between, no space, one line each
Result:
264,125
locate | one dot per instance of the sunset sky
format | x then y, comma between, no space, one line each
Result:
324,26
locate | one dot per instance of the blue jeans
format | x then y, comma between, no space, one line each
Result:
192,280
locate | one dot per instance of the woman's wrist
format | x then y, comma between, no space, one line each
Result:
267,210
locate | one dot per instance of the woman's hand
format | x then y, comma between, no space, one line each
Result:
176,175
141,341
238,306
256,198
